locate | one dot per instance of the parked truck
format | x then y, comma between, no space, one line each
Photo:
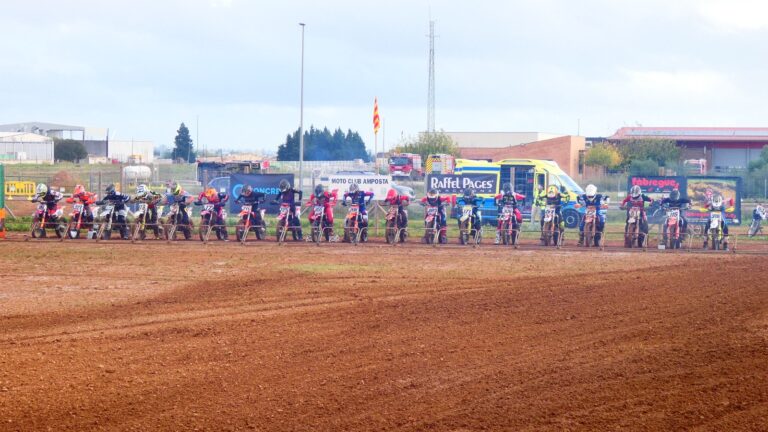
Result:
406,165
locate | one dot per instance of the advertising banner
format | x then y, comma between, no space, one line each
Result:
701,190
265,183
455,184
378,184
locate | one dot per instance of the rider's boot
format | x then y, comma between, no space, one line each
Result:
498,237
705,244
725,243
298,235
581,239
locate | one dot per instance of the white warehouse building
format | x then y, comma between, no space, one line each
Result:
23,147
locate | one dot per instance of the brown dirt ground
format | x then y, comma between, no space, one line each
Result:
221,337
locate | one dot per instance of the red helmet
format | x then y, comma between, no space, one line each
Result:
79,190
391,195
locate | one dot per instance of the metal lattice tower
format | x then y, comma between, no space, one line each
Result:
431,92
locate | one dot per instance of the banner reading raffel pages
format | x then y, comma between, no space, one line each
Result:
378,184
456,183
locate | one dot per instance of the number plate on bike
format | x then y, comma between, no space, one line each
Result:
208,207
319,210
78,207
246,209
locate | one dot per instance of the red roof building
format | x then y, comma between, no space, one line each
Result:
723,148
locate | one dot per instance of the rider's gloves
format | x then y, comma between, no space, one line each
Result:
344,203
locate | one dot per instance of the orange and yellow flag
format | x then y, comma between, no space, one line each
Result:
376,120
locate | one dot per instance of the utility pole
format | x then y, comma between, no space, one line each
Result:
301,115
431,91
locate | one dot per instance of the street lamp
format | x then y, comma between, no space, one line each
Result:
301,116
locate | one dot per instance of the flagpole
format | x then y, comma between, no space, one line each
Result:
375,151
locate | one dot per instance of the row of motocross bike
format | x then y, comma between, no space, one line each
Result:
251,219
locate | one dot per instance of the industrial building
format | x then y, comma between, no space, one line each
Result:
723,148
97,143
23,147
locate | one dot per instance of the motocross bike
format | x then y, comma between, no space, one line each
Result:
209,221
434,233
716,230
354,226
284,218
757,218
469,226
395,225
672,228
251,220
509,231
48,218
634,229
550,231
320,228
174,222
108,217
142,218
79,221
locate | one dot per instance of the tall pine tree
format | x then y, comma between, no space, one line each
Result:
182,145
320,145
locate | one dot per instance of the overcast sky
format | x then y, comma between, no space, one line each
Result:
141,67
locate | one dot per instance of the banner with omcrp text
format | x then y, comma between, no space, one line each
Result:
378,184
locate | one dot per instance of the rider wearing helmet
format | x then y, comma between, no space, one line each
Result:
590,198
401,201
219,201
327,200
362,198
508,198
250,197
717,204
675,201
146,196
470,198
117,199
48,196
81,196
287,195
551,197
637,199
177,195
433,199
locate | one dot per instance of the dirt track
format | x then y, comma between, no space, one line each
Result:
185,337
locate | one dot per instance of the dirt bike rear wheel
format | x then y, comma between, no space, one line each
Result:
36,231
754,228
72,231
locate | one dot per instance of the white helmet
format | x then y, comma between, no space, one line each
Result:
141,190
591,191
635,191
41,189
717,201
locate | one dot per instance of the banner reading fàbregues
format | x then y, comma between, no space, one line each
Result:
265,183
378,184
455,184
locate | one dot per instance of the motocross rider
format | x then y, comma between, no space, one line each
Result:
118,200
48,196
81,196
252,198
325,199
552,197
145,195
219,200
434,199
714,205
177,195
356,195
591,198
471,199
401,201
508,197
674,201
637,199
287,195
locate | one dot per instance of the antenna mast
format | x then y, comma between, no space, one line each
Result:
431,93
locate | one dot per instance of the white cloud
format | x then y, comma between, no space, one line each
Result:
736,15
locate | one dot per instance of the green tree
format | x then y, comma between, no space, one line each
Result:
429,143
320,145
182,145
664,152
645,167
69,150
603,155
